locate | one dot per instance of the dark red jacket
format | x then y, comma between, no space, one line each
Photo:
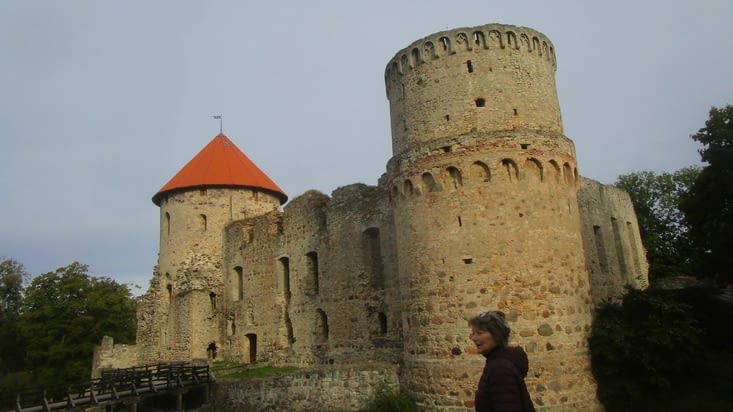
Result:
501,387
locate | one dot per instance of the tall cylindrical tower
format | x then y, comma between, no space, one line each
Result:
483,187
181,311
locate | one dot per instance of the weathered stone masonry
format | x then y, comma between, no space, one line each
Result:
481,207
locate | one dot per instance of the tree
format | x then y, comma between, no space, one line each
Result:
664,232
12,276
708,207
65,314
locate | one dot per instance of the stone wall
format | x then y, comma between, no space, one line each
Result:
615,256
109,355
328,388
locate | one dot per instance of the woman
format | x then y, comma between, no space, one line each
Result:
501,387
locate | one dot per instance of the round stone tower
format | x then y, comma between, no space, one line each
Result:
483,187
219,185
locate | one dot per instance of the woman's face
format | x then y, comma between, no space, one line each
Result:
483,340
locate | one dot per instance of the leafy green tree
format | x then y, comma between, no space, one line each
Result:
65,314
708,207
664,232
12,276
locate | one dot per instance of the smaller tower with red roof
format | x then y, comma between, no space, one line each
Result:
219,185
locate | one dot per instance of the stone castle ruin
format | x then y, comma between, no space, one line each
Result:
481,208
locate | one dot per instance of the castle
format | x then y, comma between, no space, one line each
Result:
481,207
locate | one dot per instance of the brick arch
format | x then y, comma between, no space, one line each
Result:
553,172
509,170
479,172
407,188
532,170
567,173
454,176
430,183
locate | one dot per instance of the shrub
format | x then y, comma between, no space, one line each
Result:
641,348
387,399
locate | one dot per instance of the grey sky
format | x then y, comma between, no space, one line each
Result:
101,102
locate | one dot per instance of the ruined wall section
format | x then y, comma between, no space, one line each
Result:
274,265
320,284
109,355
615,256
253,306
359,288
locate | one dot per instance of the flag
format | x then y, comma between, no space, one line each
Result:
217,117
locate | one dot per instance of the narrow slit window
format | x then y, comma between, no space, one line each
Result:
469,65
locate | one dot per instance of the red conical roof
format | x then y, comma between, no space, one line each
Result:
220,164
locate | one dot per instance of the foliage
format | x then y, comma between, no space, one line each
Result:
641,348
708,207
664,232
65,314
12,276
388,400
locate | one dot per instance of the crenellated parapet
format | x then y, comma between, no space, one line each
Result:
466,40
472,81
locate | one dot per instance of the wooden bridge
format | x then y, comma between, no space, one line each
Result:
115,388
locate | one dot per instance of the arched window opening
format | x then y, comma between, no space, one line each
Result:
533,170
213,298
382,323
416,57
167,224
240,282
373,257
567,172
407,188
169,288
289,329
321,325
284,264
252,346
455,177
512,172
480,171
554,172
312,268
445,43
203,222
430,183
231,323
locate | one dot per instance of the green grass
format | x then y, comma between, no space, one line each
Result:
228,370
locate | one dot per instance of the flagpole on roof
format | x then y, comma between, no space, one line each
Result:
218,117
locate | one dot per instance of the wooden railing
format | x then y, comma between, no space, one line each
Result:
115,386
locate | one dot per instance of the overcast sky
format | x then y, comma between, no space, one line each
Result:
101,102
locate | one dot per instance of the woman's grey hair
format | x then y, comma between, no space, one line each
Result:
494,322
